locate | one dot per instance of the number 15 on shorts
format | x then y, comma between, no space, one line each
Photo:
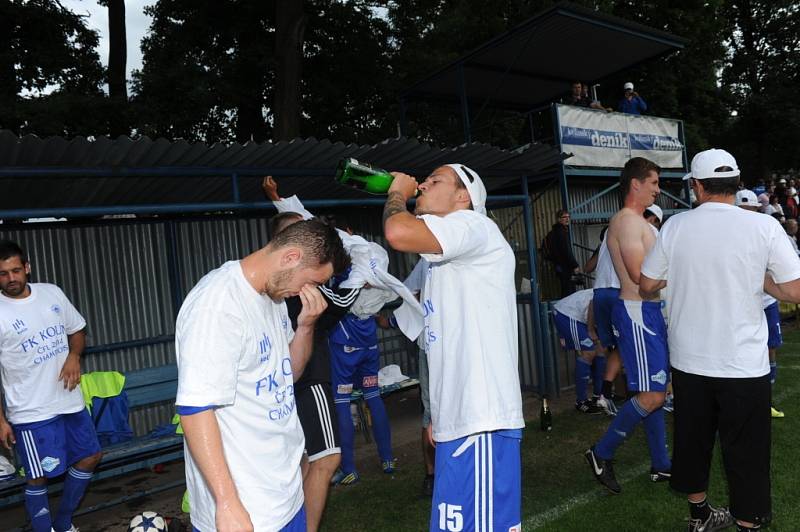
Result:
450,517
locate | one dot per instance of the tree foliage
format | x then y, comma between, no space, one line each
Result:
50,73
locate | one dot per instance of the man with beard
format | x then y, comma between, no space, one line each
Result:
237,360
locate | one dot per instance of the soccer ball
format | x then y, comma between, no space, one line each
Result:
147,522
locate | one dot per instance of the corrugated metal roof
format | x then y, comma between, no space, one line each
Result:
536,61
38,173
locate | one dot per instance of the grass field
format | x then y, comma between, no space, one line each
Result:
559,492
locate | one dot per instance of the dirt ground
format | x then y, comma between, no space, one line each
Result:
404,412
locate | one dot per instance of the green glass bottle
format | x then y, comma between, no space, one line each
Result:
363,176
545,417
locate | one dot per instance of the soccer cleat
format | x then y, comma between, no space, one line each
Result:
717,519
587,407
340,478
389,466
776,413
660,476
607,405
668,404
427,486
603,471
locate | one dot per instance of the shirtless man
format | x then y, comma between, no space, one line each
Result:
639,329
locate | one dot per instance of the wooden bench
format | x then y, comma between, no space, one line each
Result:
144,387
357,398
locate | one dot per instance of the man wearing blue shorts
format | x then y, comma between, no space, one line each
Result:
470,336
572,316
639,330
41,340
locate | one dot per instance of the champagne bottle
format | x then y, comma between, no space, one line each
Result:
363,176
545,416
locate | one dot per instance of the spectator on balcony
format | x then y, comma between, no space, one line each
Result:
579,97
631,103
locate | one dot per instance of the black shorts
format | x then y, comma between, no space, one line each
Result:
318,418
739,410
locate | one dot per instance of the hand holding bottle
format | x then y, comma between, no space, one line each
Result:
404,184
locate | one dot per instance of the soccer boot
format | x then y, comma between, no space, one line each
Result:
340,478
660,476
603,471
389,466
607,405
587,407
776,413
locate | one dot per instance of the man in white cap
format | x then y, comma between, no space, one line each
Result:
470,336
631,103
654,216
718,339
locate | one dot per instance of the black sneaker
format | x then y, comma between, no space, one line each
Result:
587,407
603,471
660,476
427,486
718,519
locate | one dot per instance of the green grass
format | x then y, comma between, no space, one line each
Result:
558,490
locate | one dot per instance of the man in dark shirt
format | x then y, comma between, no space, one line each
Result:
559,250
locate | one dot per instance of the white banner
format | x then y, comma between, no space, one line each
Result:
608,140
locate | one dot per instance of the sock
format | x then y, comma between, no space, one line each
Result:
582,371
346,435
380,425
75,483
656,430
699,510
38,508
630,415
598,372
607,390
773,372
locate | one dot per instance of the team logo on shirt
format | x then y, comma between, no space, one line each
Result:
19,326
49,463
586,342
264,347
56,309
660,377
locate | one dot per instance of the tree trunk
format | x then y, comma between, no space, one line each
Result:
117,66
290,25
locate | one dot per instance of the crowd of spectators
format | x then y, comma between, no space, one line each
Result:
631,102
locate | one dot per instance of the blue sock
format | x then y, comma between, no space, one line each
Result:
38,508
656,429
598,373
773,372
75,483
582,371
346,436
630,415
380,425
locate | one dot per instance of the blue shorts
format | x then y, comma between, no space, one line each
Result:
573,333
642,340
773,314
354,368
47,448
477,483
603,301
297,524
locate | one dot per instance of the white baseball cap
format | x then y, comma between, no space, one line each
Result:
475,187
627,86
705,164
655,209
747,198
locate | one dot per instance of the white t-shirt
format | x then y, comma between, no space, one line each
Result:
414,282
232,346
714,259
604,274
576,305
470,331
33,349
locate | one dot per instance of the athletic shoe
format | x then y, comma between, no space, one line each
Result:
587,407
603,471
718,519
427,486
607,405
342,479
660,476
389,466
668,405
776,413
